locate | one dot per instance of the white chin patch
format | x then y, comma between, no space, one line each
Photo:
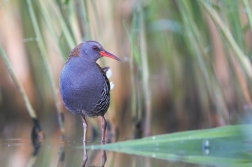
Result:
109,73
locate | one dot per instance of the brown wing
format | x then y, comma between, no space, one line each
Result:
75,52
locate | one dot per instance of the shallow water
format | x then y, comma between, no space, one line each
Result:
21,152
50,153
187,150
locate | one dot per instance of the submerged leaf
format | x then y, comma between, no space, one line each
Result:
227,145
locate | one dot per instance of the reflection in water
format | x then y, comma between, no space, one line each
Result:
75,154
64,147
33,158
37,137
225,146
61,157
103,158
226,151
85,156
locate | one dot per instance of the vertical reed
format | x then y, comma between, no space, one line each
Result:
43,54
37,134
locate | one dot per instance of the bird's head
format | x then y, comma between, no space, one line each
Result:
91,50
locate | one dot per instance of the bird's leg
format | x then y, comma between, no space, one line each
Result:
104,158
85,125
103,125
85,157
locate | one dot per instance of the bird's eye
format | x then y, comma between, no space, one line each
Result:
95,48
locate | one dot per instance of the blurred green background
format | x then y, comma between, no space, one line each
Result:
186,64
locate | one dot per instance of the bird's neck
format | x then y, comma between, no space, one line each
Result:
79,64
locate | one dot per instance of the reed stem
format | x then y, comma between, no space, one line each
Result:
43,54
248,12
228,36
18,84
86,20
66,32
243,62
145,71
